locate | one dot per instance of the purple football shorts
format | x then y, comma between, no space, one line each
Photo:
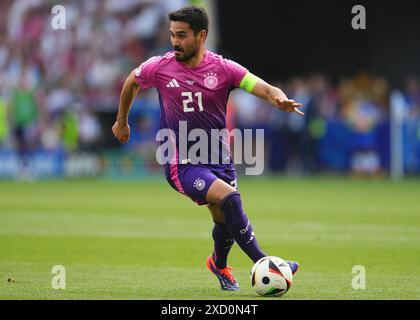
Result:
194,181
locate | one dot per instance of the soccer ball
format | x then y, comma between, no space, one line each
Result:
271,277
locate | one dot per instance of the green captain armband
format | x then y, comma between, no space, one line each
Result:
248,82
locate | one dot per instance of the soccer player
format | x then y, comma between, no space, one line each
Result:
194,85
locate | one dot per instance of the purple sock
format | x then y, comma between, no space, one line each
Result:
223,242
239,227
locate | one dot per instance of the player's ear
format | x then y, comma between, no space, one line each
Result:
202,35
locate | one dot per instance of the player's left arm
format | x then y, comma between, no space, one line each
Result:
273,95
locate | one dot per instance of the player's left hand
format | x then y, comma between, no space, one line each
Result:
289,105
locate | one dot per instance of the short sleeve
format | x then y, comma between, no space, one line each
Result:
236,72
144,75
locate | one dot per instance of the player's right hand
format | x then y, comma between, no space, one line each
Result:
121,132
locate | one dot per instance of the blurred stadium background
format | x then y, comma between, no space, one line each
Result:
64,195
59,89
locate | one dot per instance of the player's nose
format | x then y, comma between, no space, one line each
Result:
174,42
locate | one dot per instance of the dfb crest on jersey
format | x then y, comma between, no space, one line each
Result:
210,80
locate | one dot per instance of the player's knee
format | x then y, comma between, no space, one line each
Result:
218,191
231,203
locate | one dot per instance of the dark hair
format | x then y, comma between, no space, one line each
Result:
196,17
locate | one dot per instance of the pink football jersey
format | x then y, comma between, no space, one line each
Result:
197,95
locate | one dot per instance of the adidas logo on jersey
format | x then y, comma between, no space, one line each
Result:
173,84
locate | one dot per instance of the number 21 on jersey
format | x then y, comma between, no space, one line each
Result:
189,99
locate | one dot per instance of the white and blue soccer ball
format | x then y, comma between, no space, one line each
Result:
271,277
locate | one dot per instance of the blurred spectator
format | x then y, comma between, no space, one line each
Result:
321,112
412,126
24,115
89,130
363,99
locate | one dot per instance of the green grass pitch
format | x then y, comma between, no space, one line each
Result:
142,240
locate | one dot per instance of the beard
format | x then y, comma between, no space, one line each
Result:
184,56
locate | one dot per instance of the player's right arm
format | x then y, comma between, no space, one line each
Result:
143,77
130,90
